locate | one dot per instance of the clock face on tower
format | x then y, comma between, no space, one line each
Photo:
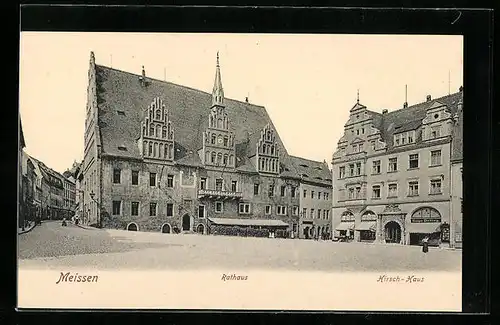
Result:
220,141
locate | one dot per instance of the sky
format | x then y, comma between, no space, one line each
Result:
307,82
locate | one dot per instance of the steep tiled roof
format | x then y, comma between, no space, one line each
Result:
458,137
48,173
316,171
21,135
189,108
409,118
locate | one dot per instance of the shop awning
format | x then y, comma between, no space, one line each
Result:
425,228
345,226
248,222
367,225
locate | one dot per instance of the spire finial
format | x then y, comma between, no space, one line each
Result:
357,97
217,58
217,92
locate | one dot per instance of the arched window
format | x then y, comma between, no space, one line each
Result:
161,151
158,114
219,158
219,123
150,152
167,152
272,150
155,150
211,121
268,135
231,160
347,216
264,147
226,140
207,156
368,216
261,163
145,148
426,214
151,130
213,138
164,132
213,158
225,160
158,130
143,130
273,168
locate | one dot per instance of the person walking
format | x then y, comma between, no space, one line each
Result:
425,245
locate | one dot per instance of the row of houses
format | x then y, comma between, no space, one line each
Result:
44,194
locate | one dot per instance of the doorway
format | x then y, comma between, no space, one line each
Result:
132,227
200,229
186,222
392,232
166,229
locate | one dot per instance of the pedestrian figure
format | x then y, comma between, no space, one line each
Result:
425,245
64,222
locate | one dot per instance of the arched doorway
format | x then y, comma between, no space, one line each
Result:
166,229
200,229
132,227
392,232
186,222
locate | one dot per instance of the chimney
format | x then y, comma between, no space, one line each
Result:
384,111
405,104
461,88
429,98
142,78
246,99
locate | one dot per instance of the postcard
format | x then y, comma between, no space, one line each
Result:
240,171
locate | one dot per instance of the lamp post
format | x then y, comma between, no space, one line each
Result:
92,195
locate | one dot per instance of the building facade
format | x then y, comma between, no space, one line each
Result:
28,188
315,203
168,158
20,191
456,204
391,173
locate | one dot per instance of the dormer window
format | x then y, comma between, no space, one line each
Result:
158,114
122,148
435,132
122,113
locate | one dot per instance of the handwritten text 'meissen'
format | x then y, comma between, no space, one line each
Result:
67,277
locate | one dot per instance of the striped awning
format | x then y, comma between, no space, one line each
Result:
249,222
366,225
345,226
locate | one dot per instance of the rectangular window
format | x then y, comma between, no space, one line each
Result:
218,184
281,210
413,188
372,144
295,210
304,212
319,195
271,190
312,213
305,193
327,214
351,169
116,175
436,186
341,172
319,213
135,177
201,211
203,183
396,139
376,191
283,190
117,207
268,209
256,188
218,207
312,194
435,157
358,192
170,181
152,179
435,132
152,209
376,167
351,193
170,209
358,169
413,161
244,208
403,138
134,208
393,190
411,136
234,186
292,193
393,164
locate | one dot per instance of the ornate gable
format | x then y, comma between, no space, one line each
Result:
157,134
437,122
267,152
219,148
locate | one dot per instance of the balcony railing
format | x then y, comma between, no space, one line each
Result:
216,194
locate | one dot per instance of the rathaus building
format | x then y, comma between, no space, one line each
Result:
392,174
166,158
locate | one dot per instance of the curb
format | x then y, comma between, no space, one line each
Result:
26,230
86,227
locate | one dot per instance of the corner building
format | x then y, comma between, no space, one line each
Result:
391,173
168,158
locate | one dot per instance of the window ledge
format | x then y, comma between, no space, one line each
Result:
413,168
392,171
431,166
392,197
412,195
376,173
440,193
376,198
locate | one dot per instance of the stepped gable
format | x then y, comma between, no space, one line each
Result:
316,171
409,118
189,110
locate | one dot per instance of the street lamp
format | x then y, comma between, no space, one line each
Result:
92,195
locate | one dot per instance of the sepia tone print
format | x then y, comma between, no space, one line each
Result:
171,178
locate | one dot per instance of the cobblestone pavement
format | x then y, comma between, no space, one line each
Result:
51,246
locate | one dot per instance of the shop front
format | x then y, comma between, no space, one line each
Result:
367,227
426,223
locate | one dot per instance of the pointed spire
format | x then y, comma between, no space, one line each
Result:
92,58
217,92
357,97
